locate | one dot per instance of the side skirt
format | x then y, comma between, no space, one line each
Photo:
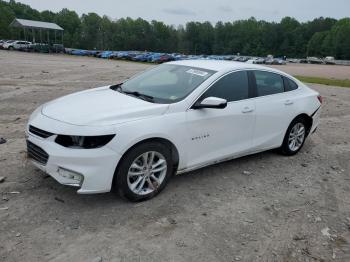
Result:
189,169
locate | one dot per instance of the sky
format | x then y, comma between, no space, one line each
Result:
178,12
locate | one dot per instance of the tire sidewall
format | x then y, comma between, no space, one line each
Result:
122,171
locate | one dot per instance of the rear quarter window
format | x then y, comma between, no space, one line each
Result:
268,83
290,85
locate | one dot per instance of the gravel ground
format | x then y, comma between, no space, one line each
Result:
326,71
263,207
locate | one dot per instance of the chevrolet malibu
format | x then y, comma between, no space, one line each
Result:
171,119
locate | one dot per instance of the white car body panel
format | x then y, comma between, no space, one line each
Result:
100,107
200,136
211,132
97,165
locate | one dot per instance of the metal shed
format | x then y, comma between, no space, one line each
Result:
31,25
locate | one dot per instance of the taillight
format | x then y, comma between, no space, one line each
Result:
320,98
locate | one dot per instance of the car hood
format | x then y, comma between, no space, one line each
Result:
100,106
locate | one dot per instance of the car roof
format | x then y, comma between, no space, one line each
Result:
222,65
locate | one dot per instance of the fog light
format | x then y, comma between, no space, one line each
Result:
70,174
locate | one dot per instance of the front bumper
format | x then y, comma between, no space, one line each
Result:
97,166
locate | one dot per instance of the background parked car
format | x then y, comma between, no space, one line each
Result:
260,61
22,45
39,48
105,54
269,61
17,45
314,60
2,42
6,43
279,61
256,60
251,61
294,60
329,60
141,57
275,61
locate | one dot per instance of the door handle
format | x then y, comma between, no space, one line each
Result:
247,110
288,102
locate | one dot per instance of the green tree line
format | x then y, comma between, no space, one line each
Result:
289,37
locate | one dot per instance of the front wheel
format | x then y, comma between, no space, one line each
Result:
295,137
144,171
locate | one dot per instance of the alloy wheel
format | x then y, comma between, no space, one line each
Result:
296,137
146,173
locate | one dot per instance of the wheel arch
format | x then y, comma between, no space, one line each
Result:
167,142
308,120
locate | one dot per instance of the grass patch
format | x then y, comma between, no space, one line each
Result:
324,81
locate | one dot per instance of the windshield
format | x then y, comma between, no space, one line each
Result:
167,83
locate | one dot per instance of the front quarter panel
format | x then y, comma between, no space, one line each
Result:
171,127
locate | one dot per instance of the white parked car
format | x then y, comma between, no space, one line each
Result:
16,45
251,61
256,60
5,42
173,118
2,42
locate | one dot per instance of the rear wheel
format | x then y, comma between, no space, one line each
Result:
295,137
11,48
144,171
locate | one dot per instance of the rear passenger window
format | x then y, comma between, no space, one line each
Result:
232,87
268,83
290,85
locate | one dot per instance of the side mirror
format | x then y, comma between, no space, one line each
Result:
211,102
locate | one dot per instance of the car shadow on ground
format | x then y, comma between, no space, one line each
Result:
201,179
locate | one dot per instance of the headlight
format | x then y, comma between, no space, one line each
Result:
86,142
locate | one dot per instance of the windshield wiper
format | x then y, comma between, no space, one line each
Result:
138,94
118,87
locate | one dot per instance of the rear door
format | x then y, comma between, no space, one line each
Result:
275,109
214,134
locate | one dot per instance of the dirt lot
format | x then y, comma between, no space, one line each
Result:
325,71
286,209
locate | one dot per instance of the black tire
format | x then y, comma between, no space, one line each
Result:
11,48
121,174
285,148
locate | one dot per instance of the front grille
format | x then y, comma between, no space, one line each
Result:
36,153
39,132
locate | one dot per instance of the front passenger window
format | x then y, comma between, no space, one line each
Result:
232,87
268,83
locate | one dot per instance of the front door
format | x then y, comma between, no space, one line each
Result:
216,134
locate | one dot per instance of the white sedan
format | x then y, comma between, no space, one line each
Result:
16,45
171,119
